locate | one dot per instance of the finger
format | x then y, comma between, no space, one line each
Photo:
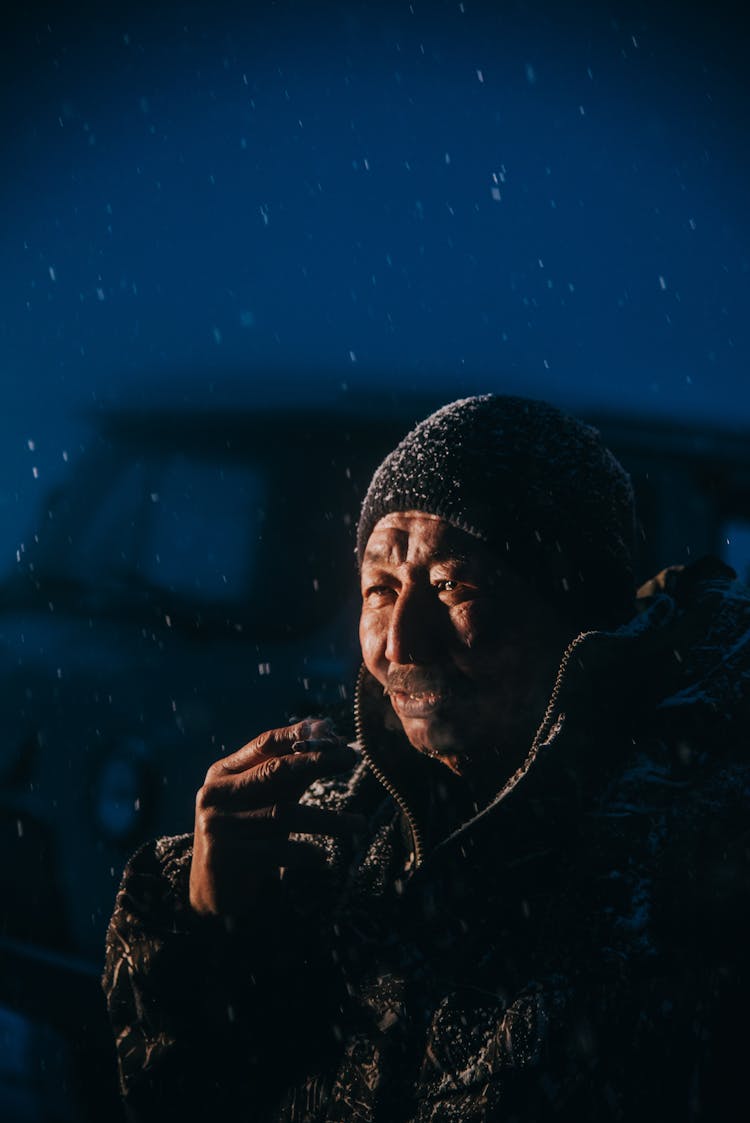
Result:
276,779
322,733
313,744
272,742
280,820
323,727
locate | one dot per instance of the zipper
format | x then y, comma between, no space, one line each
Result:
416,833
552,704
419,848
545,723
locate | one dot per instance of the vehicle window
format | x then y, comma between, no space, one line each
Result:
106,529
204,526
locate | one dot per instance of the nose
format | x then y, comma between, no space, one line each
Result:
413,629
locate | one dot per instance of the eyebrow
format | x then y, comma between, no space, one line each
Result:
379,554
457,557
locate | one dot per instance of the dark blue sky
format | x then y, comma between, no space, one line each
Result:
545,198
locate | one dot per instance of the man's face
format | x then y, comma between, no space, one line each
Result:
466,650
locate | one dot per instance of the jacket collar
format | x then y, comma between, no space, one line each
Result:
682,661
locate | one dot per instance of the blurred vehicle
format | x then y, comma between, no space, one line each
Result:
191,585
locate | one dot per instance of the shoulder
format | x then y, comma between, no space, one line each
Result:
154,885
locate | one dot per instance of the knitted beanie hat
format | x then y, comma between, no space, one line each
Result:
536,485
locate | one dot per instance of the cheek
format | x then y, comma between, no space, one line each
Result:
491,648
474,626
372,640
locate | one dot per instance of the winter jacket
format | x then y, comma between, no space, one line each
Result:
574,951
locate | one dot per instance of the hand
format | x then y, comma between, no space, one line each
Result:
247,808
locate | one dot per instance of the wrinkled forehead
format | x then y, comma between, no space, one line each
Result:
420,537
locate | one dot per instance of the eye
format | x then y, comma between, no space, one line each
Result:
445,586
377,592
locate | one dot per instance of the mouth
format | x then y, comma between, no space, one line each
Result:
421,704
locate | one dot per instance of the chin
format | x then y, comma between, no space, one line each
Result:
434,739
443,753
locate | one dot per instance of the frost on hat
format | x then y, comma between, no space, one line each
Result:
536,485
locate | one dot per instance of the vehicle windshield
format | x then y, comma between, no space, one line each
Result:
202,535
187,526
203,530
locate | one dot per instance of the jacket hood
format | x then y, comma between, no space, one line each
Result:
677,673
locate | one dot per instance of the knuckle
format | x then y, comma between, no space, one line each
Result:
205,800
268,768
261,740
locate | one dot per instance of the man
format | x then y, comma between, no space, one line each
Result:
521,895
